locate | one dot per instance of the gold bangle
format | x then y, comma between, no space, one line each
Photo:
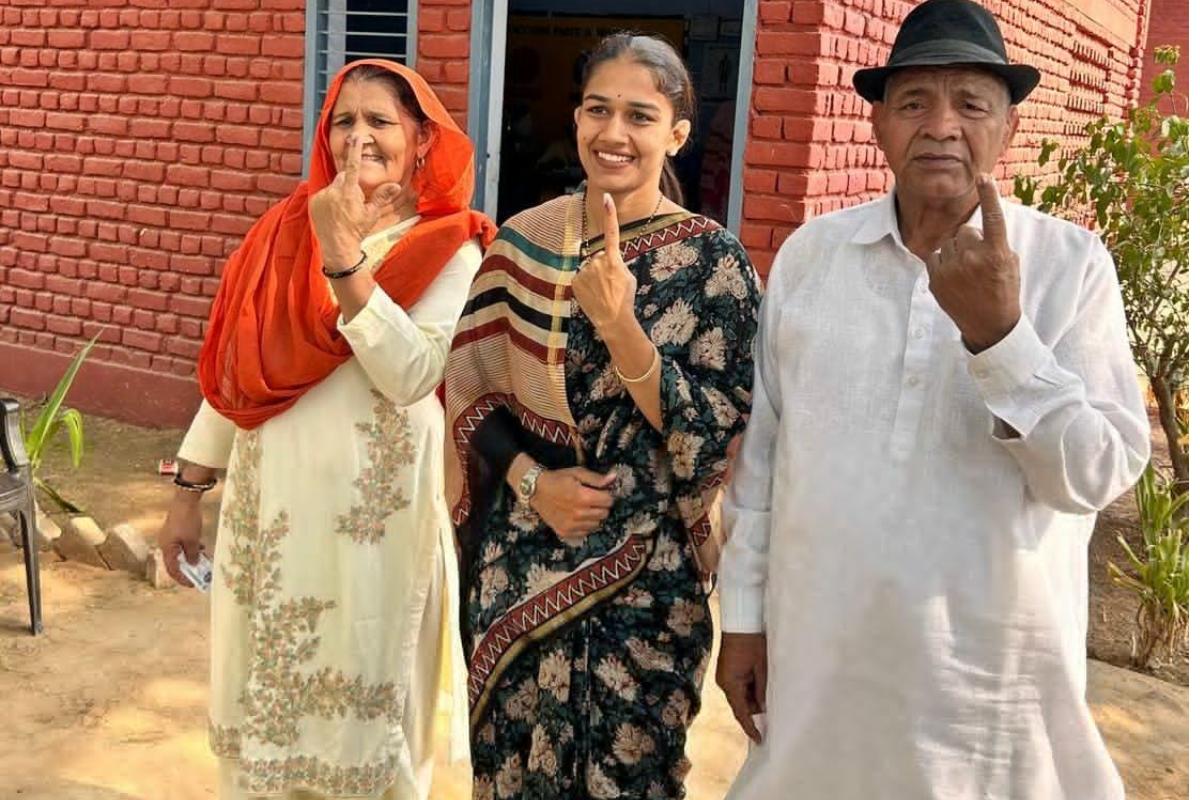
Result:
653,363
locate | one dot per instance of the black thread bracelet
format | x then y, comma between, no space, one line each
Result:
347,272
189,486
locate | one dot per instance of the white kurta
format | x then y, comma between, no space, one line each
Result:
335,583
909,523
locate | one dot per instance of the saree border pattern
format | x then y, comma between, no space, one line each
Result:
549,610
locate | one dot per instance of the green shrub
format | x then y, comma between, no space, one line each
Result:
52,418
1131,178
1159,576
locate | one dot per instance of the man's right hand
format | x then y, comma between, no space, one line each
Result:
742,675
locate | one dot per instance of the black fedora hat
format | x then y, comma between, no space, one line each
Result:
940,33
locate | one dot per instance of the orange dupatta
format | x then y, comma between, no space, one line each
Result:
272,332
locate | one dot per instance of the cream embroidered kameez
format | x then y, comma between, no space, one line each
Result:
335,586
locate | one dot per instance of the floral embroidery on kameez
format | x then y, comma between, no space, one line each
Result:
282,640
389,447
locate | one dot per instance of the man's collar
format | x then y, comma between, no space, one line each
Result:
880,220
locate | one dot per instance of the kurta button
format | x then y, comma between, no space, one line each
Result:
913,380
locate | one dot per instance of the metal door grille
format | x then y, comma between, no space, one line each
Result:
339,31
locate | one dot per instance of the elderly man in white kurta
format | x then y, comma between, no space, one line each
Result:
944,398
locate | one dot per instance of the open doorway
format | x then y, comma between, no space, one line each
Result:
545,45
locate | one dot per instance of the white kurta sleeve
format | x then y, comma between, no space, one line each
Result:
1076,422
209,439
404,353
746,509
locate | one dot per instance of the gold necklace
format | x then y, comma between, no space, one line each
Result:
583,239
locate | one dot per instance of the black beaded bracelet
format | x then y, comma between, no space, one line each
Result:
348,271
189,486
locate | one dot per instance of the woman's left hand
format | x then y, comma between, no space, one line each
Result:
604,287
341,214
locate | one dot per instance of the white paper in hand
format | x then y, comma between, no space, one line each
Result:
200,573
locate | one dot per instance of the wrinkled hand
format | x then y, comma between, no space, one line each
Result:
976,277
341,214
604,287
573,501
181,532
742,675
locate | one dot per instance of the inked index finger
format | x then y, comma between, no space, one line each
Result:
994,230
354,149
612,227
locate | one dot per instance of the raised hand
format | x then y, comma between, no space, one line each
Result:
341,214
604,287
976,277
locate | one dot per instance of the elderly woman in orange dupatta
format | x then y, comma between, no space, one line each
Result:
334,586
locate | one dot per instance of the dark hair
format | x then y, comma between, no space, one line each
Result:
671,77
399,87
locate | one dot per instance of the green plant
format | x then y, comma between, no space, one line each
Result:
1131,178
52,418
1159,577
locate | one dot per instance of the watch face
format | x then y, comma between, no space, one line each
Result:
528,482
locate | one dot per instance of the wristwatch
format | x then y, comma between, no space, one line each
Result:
528,484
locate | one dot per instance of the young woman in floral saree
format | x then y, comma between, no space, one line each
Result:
600,371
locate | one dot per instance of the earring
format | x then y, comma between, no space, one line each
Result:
420,162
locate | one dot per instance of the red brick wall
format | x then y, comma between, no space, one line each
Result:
137,145
810,148
1168,25
444,50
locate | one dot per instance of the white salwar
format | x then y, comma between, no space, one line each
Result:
335,589
909,523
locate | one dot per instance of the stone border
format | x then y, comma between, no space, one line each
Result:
122,548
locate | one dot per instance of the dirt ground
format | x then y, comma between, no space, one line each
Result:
109,704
